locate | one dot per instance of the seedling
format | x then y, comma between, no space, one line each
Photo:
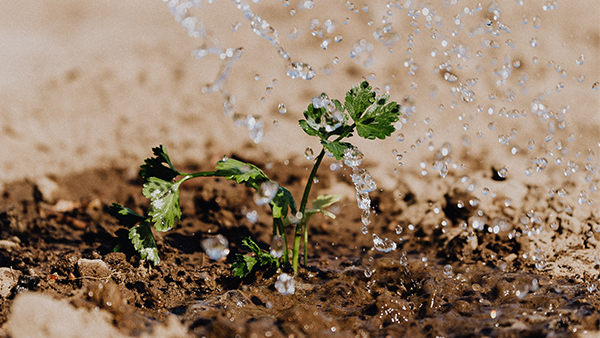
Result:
363,112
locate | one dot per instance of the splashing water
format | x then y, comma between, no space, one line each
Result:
216,248
363,183
277,246
383,245
266,193
285,284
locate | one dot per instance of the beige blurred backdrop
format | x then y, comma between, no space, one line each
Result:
96,84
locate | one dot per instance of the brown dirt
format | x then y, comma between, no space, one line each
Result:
348,289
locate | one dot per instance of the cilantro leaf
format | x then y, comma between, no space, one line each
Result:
125,216
325,121
244,264
336,148
378,119
312,123
164,202
155,166
143,242
240,171
358,99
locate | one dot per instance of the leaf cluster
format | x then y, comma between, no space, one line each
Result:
163,192
373,116
244,264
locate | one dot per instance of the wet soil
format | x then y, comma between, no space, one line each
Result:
444,278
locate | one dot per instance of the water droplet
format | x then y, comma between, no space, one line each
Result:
281,108
533,42
448,270
309,153
580,60
277,246
399,229
216,248
364,230
285,284
252,216
365,218
537,21
596,85
266,193
383,245
300,70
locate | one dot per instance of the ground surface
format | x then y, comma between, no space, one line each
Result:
87,89
447,280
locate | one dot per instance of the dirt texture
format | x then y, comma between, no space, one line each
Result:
444,279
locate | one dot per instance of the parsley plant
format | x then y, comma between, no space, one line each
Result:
370,116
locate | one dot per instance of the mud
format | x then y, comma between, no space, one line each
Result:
444,279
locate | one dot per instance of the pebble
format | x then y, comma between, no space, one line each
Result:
8,279
7,245
47,188
93,268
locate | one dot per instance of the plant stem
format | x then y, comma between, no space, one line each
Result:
278,224
301,225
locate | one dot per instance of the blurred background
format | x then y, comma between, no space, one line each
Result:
508,87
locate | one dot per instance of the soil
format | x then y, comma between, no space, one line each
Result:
442,280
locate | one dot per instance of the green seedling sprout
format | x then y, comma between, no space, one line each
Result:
364,112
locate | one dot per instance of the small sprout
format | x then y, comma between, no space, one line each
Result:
364,112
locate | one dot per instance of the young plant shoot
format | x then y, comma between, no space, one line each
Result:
363,112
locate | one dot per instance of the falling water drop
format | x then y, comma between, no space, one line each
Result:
281,108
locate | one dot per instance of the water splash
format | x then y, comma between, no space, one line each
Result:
216,248
363,184
285,284
295,70
266,193
383,245
277,246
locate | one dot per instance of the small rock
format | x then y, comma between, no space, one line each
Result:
47,188
93,268
7,245
8,279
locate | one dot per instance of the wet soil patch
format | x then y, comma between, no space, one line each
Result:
444,279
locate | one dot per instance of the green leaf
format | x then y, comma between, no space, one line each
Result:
324,201
241,172
155,166
358,99
336,148
164,202
125,216
312,124
143,242
378,120
281,202
308,129
243,265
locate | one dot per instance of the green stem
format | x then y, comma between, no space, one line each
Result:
200,174
278,223
301,225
